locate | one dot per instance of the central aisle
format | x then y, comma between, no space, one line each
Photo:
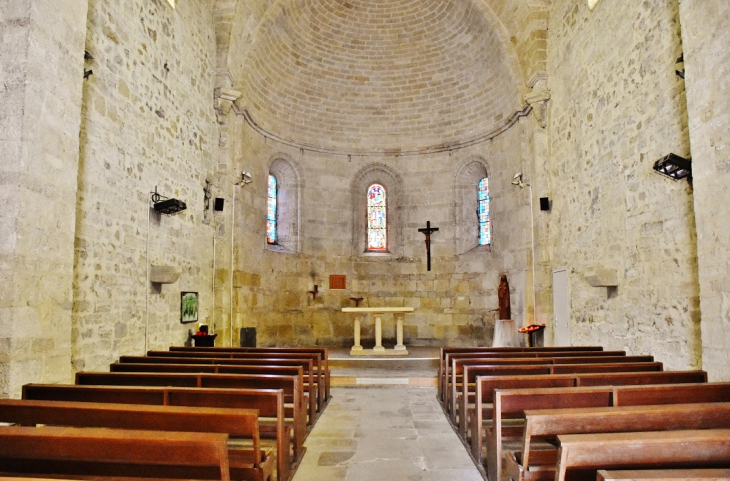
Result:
384,433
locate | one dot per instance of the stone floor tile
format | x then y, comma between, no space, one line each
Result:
372,433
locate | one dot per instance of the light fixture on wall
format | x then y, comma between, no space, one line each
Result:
242,182
517,180
166,206
674,167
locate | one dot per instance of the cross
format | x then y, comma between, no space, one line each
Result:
428,231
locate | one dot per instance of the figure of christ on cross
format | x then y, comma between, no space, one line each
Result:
428,231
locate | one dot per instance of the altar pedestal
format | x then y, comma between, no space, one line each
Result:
378,349
505,334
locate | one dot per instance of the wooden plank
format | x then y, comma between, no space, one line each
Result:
269,403
103,452
582,455
237,423
549,423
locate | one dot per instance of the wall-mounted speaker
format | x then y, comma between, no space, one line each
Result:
218,206
544,203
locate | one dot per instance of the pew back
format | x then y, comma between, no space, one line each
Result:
115,453
581,455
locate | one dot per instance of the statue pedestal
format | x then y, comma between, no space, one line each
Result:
505,334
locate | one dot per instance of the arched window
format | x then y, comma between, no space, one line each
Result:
474,210
485,234
271,207
377,218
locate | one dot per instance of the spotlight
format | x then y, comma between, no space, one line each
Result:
674,167
167,206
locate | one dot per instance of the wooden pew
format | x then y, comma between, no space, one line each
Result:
534,465
321,378
488,391
581,455
451,357
291,385
307,364
459,362
493,370
308,387
323,352
660,474
462,390
510,351
246,463
269,403
113,453
471,372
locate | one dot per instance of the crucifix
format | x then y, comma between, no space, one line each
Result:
428,231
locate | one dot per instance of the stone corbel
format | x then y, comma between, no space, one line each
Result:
223,101
538,101
539,96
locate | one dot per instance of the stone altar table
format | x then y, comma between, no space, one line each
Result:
379,350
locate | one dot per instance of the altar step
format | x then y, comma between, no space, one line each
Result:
419,368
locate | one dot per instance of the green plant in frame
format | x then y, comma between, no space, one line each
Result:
189,307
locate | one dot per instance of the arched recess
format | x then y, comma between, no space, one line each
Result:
465,205
391,180
285,170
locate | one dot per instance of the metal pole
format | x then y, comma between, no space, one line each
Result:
532,232
147,284
233,229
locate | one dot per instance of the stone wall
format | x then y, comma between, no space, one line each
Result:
41,64
148,123
706,37
617,106
455,302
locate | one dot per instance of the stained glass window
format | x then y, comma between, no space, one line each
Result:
485,234
271,211
377,218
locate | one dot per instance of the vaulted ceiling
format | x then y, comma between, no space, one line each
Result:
379,75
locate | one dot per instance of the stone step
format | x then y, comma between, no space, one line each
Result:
394,364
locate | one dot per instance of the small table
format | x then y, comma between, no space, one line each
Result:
379,350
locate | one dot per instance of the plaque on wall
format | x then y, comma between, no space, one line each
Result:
338,281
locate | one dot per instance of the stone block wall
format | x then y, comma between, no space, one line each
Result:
706,37
41,65
455,302
617,106
148,123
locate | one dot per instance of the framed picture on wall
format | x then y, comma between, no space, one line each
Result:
188,307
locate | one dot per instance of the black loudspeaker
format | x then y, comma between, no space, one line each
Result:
248,337
544,203
219,204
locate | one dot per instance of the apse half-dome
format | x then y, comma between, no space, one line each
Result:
377,75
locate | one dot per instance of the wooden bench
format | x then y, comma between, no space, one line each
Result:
581,455
466,385
291,385
308,387
113,453
488,398
511,351
247,461
534,465
450,357
269,403
322,379
307,365
323,352
659,474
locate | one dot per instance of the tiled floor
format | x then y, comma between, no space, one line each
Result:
373,433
